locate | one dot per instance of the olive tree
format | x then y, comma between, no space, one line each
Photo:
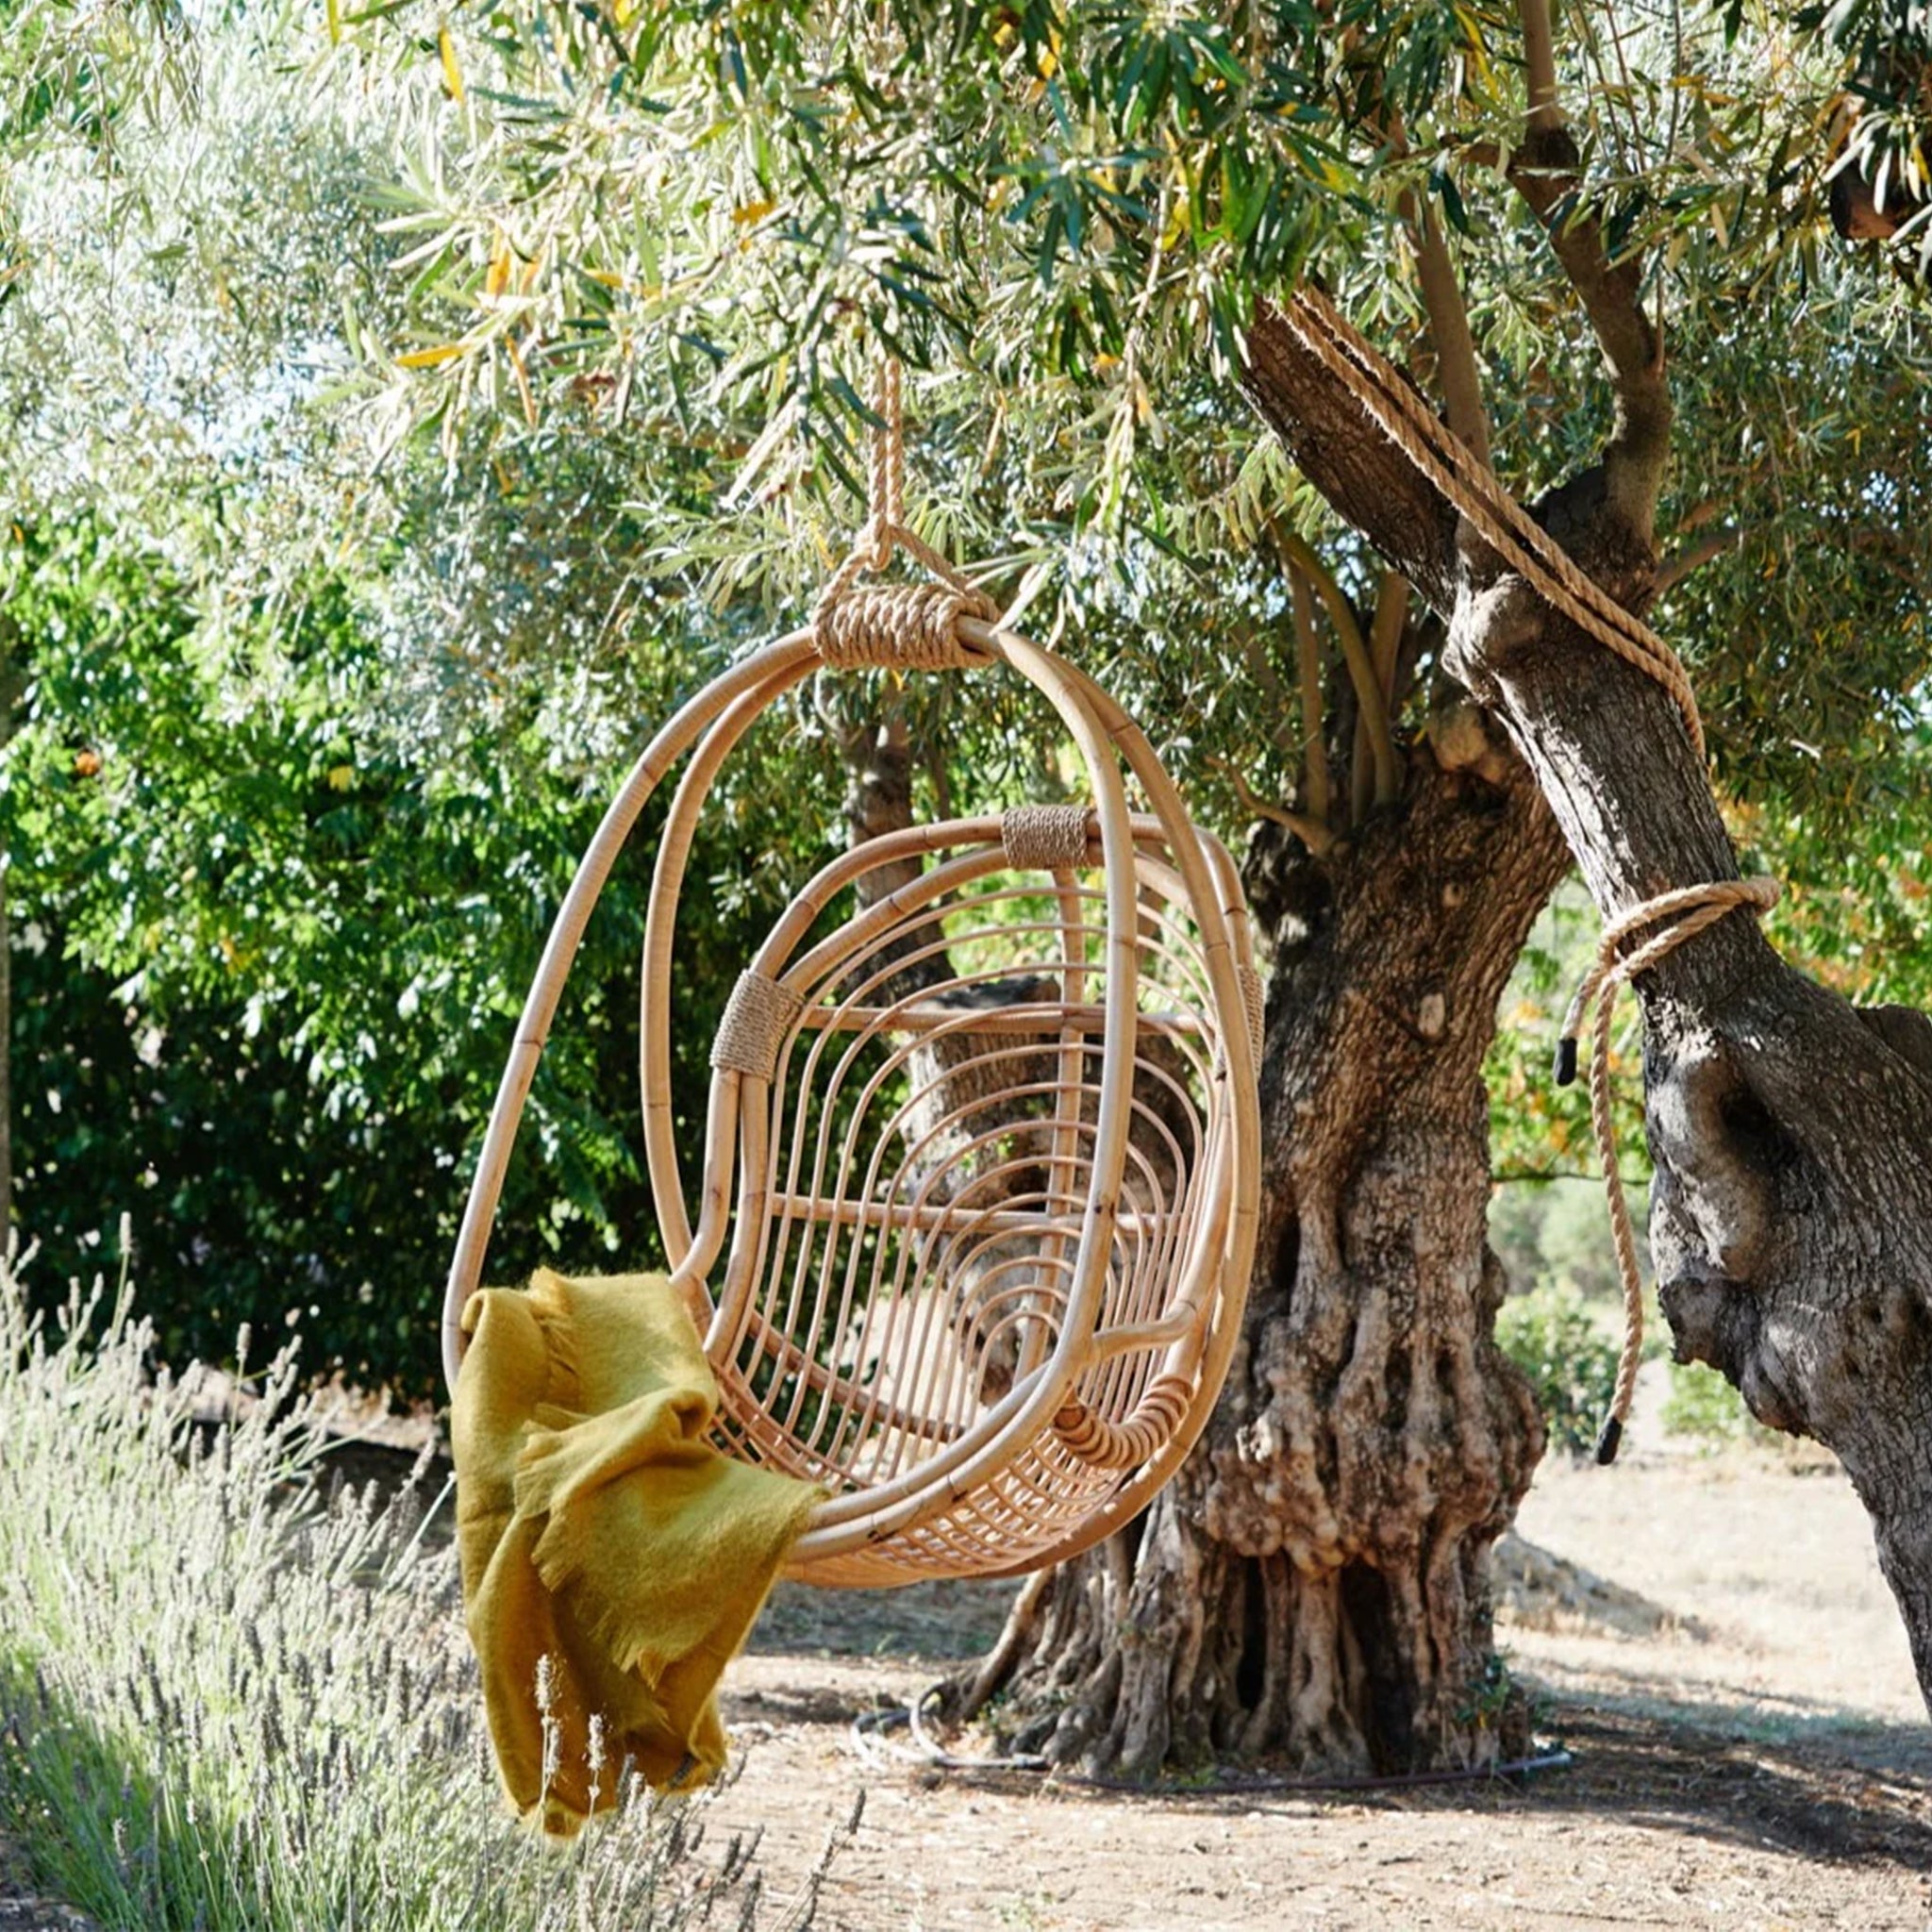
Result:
696,228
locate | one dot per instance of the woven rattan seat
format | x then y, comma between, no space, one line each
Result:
977,1203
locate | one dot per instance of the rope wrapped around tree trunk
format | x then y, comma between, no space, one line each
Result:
1404,415
1690,910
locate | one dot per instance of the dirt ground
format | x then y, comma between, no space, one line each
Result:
1714,1647
1709,1637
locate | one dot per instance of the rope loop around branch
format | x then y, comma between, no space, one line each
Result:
1680,915
1468,484
1403,415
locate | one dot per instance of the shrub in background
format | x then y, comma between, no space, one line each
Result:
1556,1231
1702,1405
1549,1335
270,945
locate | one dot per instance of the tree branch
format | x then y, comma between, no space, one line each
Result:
1680,563
1539,66
1307,653
1462,390
1261,669
1371,484
1385,644
1355,654
1311,832
1449,330
1547,172
1385,630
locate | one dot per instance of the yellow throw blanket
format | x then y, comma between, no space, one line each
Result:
601,1530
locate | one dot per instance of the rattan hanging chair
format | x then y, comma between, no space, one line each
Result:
978,1190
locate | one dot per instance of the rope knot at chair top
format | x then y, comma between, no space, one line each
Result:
896,628
899,628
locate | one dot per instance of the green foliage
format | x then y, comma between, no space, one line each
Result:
237,1697
1702,1405
1497,1700
1888,46
480,392
273,958
1540,1143
1556,1233
1067,209
1550,1335
689,231
1092,190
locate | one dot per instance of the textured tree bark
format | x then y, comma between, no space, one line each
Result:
1791,1214
1312,1586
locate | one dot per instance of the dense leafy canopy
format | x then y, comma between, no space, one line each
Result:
694,227
1065,211
269,961
405,408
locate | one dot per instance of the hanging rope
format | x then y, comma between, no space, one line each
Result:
1399,410
1690,910
1403,415
905,626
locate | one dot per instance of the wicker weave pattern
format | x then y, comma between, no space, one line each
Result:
933,1163
980,1180
1123,1445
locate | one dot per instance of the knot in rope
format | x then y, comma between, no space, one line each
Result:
899,628
915,627
1687,913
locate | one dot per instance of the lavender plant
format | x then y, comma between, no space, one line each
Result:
235,1696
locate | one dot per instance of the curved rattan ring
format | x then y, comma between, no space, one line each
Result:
978,1195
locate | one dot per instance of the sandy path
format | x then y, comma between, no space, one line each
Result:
1772,1603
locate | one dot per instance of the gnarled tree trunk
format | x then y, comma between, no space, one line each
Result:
1313,1585
1792,1212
